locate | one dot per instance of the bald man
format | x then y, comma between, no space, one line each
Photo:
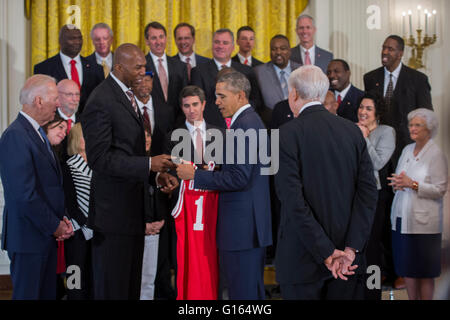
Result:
330,103
69,99
115,148
69,64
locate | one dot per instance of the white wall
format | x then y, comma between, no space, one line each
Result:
14,66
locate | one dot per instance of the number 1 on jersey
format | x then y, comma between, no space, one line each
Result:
198,225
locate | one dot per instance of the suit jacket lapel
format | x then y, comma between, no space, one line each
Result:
60,70
123,99
275,80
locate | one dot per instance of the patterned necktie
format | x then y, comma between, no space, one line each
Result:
189,68
47,142
130,95
284,85
389,92
74,73
147,118
199,145
163,78
307,58
69,125
105,69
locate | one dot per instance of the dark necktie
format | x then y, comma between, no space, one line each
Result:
147,119
389,92
189,68
47,142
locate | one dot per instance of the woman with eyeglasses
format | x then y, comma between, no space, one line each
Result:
419,183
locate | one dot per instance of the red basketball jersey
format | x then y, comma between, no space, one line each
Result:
195,222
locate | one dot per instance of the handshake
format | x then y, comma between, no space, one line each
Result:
64,230
340,263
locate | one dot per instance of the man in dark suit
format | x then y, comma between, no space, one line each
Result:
115,148
307,52
244,223
348,96
102,38
204,76
246,42
170,74
33,218
184,35
409,90
328,197
68,64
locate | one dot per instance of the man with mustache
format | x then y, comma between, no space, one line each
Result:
69,64
347,95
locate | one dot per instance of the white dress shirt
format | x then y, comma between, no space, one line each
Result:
164,63
242,59
192,62
193,132
219,64
309,104
312,54
34,123
343,93
73,117
150,110
68,67
241,109
395,76
108,60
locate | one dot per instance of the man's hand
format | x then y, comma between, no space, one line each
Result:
333,262
167,182
186,171
154,227
64,230
162,163
346,264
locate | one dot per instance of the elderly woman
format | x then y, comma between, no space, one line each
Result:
380,141
77,182
420,183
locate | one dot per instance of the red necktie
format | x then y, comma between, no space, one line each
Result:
228,121
130,95
69,125
74,73
339,100
246,61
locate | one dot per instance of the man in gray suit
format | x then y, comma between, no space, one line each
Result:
272,76
307,52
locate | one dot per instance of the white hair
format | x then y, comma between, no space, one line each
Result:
430,118
310,83
35,86
305,16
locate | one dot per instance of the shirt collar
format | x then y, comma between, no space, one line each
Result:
120,83
344,92
155,58
99,58
33,122
309,104
192,128
141,105
287,69
310,50
72,117
183,57
219,65
66,59
242,59
241,109
396,72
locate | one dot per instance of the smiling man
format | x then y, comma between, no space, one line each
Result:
115,149
347,95
244,219
102,38
68,64
170,74
307,53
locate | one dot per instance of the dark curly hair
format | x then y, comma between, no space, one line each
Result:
378,101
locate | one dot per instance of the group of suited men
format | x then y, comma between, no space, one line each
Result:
268,95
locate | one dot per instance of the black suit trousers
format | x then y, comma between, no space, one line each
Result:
327,289
117,266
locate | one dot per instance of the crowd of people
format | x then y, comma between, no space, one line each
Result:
90,178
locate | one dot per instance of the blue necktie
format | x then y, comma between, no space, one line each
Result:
284,84
47,142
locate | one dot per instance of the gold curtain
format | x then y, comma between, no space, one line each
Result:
128,19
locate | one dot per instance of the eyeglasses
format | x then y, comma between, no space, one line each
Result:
70,94
416,125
